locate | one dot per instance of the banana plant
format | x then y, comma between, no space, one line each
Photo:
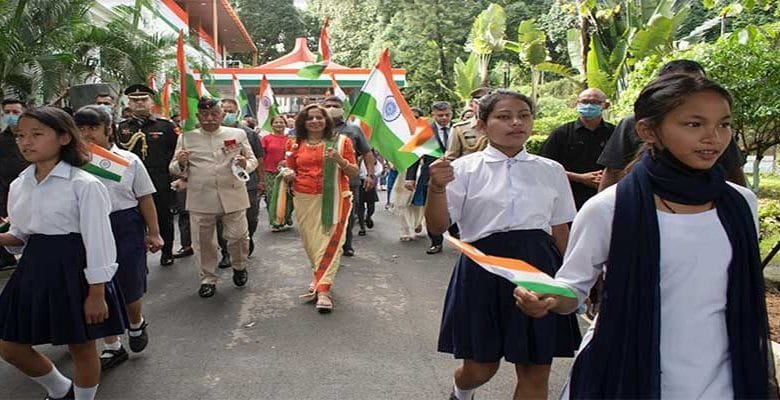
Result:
531,47
623,33
487,37
467,76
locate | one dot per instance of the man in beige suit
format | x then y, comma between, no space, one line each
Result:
216,158
466,137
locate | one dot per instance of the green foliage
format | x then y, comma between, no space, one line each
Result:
467,76
274,25
487,37
769,224
534,143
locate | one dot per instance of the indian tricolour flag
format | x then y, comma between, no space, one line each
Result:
188,91
338,92
266,106
313,71
516,271
165,98
240,96
387,120
202,91
106,164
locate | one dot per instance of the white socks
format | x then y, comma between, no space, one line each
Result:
136,327
114,346
461,394
85,393
56,384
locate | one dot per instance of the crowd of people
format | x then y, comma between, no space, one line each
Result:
667,258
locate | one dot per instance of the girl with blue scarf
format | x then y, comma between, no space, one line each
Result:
684,313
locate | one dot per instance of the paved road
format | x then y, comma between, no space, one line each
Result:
260,342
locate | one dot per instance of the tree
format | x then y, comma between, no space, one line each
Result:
487,37
273,25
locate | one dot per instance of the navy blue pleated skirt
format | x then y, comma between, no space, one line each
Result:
130,234
43,301
481,322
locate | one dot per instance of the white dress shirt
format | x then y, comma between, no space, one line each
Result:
694,261
494,193
135,182
68,200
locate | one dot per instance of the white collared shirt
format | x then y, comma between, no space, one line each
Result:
135,182
494,193
439,133
68,200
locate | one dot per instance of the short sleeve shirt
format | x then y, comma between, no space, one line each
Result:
135,183
577,148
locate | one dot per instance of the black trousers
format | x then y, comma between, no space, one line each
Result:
352,215
437,240
185,236
163,201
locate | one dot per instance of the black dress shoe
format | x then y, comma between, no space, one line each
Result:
207,290
7,262
434,249
251,246
240,277
166,259
111,358
362,232
225,261
369,223
68,396
184,252
349,251
138,343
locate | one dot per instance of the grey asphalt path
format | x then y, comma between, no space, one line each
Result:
261,342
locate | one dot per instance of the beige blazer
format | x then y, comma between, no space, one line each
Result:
466,139
211,186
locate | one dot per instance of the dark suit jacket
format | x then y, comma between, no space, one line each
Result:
411,173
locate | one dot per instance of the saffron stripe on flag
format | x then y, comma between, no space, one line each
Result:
95,149
518,272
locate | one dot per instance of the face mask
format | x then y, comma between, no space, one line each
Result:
11,120
230,119
589,110
106,108
335,112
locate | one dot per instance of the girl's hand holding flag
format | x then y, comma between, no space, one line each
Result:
441,173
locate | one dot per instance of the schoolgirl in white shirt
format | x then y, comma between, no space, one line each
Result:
61,292
134,224
684,313
508,203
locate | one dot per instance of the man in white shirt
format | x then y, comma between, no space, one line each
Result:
216,159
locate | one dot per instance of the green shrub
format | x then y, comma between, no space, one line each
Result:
534,143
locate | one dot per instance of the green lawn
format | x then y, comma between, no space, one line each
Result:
768,193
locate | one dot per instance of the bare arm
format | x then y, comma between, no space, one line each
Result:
7,239
436,215
561,235
153,239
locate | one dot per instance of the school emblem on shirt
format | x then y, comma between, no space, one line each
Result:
390,109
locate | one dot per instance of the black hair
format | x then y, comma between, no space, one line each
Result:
94,116
14,101
682,67
300,123
668,92
104,95
333,98
440,106
488,103
205,103
76,152
418,112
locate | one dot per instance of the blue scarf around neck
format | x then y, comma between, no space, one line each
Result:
623,359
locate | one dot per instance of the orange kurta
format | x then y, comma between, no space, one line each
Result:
306,161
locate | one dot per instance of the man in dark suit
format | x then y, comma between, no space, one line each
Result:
442,116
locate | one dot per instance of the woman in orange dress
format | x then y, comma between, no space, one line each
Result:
319,165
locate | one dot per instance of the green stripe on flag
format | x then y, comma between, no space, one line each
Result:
543,288
382,138
329,184
312,71
97,171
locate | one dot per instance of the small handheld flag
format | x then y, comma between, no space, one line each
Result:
518,272
106,164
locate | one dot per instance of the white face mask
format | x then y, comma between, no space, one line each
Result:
336,112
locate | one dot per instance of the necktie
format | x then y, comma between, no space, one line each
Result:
444,136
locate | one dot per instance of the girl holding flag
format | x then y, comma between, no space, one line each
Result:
684,312
274,147
508,203
133,222
319,165
62,291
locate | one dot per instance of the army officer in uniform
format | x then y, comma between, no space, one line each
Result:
153,139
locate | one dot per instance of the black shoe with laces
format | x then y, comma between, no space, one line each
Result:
138,343
207,290
111,358
349,251
166,259
369,223
240,277
184,252
434,249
